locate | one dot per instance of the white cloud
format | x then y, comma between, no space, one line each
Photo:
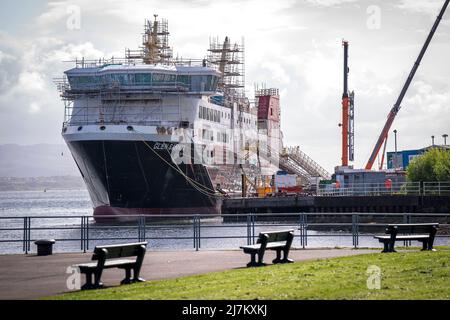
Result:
430,7
34,108
30,81
328,3
289,44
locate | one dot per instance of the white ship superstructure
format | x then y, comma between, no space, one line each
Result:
151,134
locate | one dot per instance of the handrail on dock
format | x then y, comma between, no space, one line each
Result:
87,232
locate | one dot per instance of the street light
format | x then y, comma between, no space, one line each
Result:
432,140
395,139
445,138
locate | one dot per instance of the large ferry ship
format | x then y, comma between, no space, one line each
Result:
153,134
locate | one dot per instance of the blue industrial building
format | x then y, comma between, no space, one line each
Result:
404,157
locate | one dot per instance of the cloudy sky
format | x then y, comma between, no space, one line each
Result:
291,45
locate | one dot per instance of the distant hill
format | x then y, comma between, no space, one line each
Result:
42,183
41,160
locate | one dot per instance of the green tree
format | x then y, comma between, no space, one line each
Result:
433,165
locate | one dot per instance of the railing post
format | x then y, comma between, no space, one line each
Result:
249,235
86,236
199,238
194,225
303,230
24,243
253,228
355,230
406,220
140,231
82,235
144,230
27,234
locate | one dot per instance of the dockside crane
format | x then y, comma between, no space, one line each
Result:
347,124
396,108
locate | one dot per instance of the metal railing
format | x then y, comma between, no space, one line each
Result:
436,188
394,188
81,233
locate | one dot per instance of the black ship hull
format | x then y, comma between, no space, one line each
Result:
129,178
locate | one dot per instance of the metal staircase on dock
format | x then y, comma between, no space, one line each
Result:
295,161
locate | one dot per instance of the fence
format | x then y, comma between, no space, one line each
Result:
436,188
394,188
81,233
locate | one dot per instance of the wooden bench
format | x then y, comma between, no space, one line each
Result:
109,257
422,232
271,240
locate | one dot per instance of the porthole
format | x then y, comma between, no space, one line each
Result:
80,128
130,128
102,128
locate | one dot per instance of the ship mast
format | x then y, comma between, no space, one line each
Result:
228,58
155,43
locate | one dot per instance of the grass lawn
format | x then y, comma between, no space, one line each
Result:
405,275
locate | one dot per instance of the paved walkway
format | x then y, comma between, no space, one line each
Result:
32,277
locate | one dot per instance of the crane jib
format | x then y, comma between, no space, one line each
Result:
396,106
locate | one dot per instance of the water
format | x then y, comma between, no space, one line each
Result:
71,205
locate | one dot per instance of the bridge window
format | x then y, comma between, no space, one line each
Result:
143,78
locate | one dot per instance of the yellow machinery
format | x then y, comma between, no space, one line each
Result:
263,185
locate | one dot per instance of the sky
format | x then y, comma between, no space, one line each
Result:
295,46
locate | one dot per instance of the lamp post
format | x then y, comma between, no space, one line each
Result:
395,139
445,138
432,140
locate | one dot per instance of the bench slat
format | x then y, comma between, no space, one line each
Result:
411,237
108,264
411,228
119,251
277,236
270,245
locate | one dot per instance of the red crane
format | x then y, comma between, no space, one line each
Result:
395,109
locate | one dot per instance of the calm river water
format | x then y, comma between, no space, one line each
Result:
14,205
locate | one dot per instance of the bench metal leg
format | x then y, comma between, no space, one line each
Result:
127,279
278,258
391,246
136,272
97,276
88,285
424,245
386,247
430,245
285,256
253,262
261,257
427,245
